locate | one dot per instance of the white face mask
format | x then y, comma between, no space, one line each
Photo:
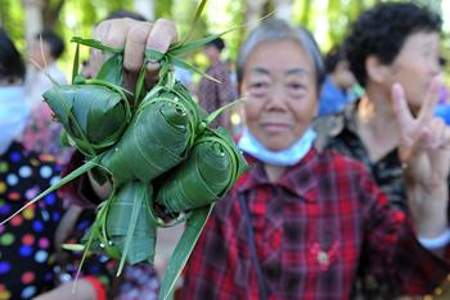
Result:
14,113
284,158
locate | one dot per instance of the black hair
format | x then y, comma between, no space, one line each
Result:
11,62
119,14
382,32
333,57
55,43
218,43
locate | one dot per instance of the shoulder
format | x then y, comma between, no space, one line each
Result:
331,128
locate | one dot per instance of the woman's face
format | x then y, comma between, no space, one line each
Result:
415,66
279,82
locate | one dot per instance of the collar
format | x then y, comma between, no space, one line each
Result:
299,179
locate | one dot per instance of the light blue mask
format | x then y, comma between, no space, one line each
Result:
284,158
14,113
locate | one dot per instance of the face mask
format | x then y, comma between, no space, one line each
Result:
284,158
14,114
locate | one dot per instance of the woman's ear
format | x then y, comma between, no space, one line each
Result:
376,70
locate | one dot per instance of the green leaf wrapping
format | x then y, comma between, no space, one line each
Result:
155,141
93,116
112,70
137,141
127,223
212,168
183,250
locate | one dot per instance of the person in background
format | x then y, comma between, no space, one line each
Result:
303,224
336,90
41,133
389,44
28,246
213,95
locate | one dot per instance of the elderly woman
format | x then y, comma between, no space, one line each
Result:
302,224
392,42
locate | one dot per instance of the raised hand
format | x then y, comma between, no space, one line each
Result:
425,151
424,139
135,36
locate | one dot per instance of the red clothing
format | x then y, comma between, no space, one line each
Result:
316,229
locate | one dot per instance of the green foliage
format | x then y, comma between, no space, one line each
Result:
12,19
163,9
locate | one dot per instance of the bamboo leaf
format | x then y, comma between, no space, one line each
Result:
182,64
94,116
197,16
167,137
220,110
212,168
76,63
93,43
180,49
153,55
139,85
137,208
71,176
93,235
112,70
183,250
127,232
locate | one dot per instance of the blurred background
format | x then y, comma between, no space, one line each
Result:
327,19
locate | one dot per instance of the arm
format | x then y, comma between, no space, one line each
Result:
394,255
425,152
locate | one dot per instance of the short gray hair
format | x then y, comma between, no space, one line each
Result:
276,30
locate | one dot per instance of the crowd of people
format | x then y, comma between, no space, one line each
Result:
347,192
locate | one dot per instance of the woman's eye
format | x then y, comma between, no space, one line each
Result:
258,85
296,86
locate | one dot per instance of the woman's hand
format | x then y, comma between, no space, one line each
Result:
135,36
425,152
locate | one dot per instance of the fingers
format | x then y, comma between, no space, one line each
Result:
135,45
434,134
427,110
135,36
440,134
162,35
113,32
400,107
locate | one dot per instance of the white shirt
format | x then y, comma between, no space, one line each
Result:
37,82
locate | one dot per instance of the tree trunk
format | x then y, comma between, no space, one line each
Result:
253,13
283,9
51,13
145,8
34,18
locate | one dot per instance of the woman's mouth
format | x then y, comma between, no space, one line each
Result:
276,127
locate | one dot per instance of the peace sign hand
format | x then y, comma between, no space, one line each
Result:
425,150
424,140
